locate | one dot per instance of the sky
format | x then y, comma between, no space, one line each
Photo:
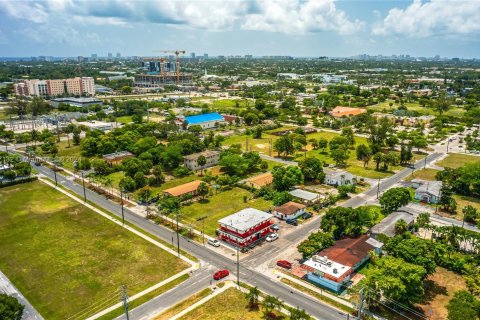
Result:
338,28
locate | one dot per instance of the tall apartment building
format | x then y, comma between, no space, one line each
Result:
84,86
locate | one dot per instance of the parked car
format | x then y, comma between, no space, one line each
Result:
284,264
307,215
293,222
37,163
272,237
220,274
275,227
214,242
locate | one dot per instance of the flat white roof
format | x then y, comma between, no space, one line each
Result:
323,264
302,194
245,219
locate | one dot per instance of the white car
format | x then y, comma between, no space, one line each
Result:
214,242
272,237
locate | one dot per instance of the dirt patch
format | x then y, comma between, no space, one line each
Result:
439,290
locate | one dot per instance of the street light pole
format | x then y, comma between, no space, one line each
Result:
378,188
203,228
178,238
121,203
238,266
84,192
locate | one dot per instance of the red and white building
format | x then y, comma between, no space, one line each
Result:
245,228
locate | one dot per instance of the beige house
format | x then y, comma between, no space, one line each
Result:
191,161
260,181
189,188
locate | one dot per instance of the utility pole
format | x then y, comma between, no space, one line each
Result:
203,228
125,300
425,164
448,143
360,304
84,192
178,237
378,188
121,203
238,266
55,173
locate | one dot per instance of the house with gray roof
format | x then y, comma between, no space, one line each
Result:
387,225
427,191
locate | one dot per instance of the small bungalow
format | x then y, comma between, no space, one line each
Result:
339,178
387,225
289,210
117,157
427,191
259,181
189,188
343,112
305,197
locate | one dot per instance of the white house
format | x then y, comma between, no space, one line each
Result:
339,178
191,161
427,191
289,210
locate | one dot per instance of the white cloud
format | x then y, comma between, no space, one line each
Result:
432,18
297,16
287,16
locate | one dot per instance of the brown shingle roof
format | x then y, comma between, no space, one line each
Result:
184,188
289,208
261,180
348,251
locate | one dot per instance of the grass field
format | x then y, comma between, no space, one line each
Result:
65,258
456,160
228,305
354,166
384,106
218,206
124,119
424,174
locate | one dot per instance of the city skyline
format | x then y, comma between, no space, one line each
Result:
296,28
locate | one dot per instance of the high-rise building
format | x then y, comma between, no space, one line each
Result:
94,56
205,56
80,59
118,55
192,55
74,86
110,55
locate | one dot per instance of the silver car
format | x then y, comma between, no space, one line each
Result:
214,242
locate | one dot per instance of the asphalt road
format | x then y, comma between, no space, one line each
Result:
218,261
389,182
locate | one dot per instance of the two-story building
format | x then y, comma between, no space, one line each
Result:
211,157
333,267
245,228
206,120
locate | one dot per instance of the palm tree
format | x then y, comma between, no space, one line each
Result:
298,314
423,220
202,190
201,162
252,297
271,303
108,182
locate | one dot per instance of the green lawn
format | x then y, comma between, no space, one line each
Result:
456,160
124,119
218,206
412,106
228,305
354,166
424,174
65,258
228,103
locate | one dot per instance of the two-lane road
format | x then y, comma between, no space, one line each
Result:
264,282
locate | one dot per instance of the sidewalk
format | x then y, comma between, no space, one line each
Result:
314,288
6,287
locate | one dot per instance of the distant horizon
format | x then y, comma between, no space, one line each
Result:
305,28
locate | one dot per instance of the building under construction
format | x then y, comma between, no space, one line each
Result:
160,72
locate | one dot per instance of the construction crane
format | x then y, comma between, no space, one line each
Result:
177,62
161,60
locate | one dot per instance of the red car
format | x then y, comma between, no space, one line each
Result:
284,264
220,274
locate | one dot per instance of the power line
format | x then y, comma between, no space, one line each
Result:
91,308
